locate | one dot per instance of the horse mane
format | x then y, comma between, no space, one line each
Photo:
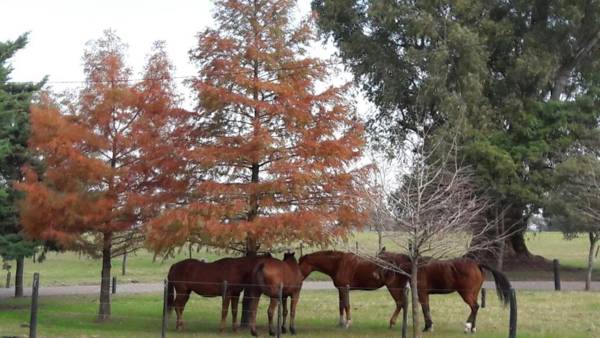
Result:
320,260
329,253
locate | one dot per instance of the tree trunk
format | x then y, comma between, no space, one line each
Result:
500,232
104,310
415,297
379,239
251,251
515,246
593,241
19,276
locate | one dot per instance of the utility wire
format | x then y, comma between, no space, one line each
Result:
189,77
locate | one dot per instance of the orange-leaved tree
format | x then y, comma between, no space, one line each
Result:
108,155
275,155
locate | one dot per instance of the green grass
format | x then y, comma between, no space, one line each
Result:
72,269
541,314
571,253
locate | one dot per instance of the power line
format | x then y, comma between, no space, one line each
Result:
189,77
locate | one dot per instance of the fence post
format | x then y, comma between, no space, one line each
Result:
279,309
556,266
483,297
164,317
512,331
34,306
357,247
405,310
114,285
124,264
8,279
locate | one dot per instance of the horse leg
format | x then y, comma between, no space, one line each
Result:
293,303
398,295
270,311
347,309
284,315
180,301
424,300
254,298
342,295
224,308
234,310
470,297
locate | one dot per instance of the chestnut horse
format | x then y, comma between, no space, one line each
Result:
267,278
349,272
462,275
207,279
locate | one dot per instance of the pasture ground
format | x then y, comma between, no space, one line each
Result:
541,314
72,269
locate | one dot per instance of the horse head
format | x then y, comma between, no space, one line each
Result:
290,255
305,267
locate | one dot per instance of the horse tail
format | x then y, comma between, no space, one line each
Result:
258,280
170,291
503,286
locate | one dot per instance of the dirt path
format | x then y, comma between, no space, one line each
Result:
133,288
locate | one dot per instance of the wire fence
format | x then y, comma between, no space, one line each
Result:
319,311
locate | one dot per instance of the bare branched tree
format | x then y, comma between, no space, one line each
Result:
379,217
437,211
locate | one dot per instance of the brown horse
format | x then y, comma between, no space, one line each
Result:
349,272
208,280
462,275
268,277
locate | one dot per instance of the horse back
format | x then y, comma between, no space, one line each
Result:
271,273
440,277
358,273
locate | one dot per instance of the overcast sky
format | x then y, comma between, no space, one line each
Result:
59,30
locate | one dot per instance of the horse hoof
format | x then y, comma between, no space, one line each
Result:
348,323
283,329
253,333
292,330
473,330
468,327
271,333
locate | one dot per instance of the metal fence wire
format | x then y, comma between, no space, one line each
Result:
232,291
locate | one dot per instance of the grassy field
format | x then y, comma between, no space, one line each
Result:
71,269
541,314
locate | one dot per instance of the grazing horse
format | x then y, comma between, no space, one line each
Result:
208,280
462,275
349,271
267,278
